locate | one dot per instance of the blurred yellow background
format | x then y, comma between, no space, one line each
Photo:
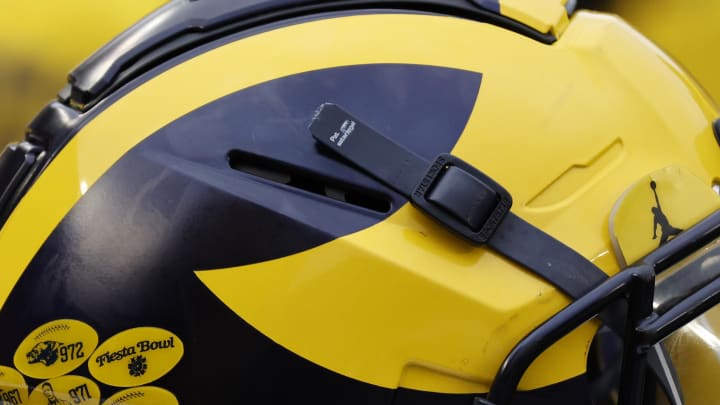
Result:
688,30
41,41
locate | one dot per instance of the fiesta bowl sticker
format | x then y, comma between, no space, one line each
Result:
136,357
13,389
142,396
55,348
66,390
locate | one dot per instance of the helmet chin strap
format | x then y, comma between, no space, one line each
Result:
460,197
473,206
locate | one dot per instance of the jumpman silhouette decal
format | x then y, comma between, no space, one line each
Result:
667,231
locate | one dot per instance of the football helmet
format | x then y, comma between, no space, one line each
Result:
363,202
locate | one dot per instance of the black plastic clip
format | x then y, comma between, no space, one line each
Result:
462,198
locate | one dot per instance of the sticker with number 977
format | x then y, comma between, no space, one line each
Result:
66,390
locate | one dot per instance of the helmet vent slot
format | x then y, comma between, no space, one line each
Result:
304,179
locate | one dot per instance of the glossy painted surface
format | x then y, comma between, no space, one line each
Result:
565,128
126,251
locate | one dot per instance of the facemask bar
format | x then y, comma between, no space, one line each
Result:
644,326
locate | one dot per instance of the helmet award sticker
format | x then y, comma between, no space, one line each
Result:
66,390
136,357
55,348
142,396
13,389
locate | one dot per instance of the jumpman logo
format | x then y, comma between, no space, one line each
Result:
667,231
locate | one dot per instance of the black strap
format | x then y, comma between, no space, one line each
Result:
460,197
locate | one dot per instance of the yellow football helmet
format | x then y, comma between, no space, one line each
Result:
362,202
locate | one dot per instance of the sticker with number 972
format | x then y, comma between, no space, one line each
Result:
55,348
71,351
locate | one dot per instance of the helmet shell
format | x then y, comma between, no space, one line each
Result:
159,212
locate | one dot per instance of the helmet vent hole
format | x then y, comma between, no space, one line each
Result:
303,179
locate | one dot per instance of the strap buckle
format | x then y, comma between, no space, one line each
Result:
462,198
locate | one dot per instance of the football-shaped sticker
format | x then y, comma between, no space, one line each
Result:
69,389
13,389
142,396
136,357
55,348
